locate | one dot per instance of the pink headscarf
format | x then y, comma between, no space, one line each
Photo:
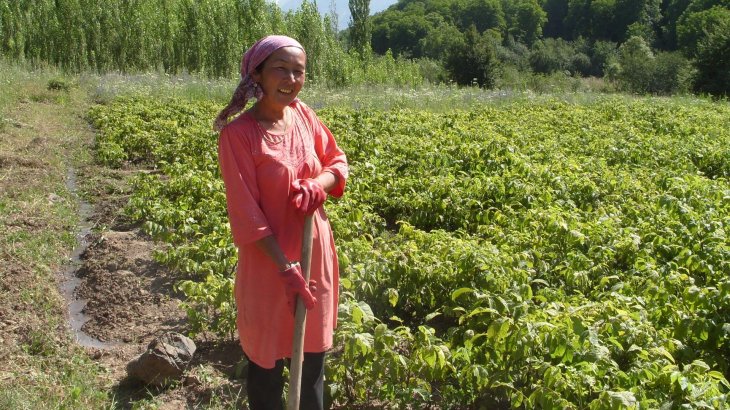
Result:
247,88
257,54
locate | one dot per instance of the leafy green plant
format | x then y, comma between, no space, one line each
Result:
532,254
209,305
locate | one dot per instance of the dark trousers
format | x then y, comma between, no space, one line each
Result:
265,386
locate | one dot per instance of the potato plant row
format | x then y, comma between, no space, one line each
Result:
536,253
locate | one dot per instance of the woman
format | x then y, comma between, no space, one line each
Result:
279,163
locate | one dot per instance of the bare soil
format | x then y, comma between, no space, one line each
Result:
131,300
130,297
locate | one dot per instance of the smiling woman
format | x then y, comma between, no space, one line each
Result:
279,162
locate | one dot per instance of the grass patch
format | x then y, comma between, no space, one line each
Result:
434,97
41,137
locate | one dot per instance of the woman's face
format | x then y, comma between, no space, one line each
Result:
282,75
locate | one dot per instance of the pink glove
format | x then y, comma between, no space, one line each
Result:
294,285
307,195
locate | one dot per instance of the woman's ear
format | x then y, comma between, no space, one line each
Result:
256,76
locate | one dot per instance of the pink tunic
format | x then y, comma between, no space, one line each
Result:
258,168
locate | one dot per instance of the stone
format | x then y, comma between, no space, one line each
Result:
164,361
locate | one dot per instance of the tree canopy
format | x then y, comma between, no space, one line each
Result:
407,26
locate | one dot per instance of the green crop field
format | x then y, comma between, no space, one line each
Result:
535,253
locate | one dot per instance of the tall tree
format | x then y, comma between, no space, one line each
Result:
634,66
483,14
712,61
671,13
360,30
638,18
525,19
577,20
473,60
439,40
556,11
693,27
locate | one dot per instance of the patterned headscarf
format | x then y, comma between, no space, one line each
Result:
247,88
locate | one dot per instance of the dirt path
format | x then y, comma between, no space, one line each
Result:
40,138
130,298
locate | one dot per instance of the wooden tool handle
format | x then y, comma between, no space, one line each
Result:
297,351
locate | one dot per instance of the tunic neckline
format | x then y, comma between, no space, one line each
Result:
273,137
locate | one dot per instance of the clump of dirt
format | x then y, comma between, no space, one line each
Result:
10,160
130,297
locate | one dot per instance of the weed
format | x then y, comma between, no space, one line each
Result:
57,84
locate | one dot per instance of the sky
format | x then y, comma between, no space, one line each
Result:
342,8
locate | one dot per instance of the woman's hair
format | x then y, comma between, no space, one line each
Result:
237,103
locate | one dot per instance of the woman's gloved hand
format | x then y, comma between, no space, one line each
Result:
295,285
307,195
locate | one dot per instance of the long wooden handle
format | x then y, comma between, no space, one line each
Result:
297,351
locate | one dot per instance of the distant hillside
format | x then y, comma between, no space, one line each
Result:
655,46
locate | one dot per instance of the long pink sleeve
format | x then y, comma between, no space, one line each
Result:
248,222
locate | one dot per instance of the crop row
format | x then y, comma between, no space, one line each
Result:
534,254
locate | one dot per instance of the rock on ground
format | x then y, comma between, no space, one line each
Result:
164,361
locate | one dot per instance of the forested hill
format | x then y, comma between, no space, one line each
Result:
580,36
414,26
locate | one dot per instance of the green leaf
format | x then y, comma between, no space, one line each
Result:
683,383
357,314
380,330
459,292
716,375
674,376
664,353
504,329
432,315
481,311
616,343
367,312
622,399
392,296
719,377
559,350
702,365
495,329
